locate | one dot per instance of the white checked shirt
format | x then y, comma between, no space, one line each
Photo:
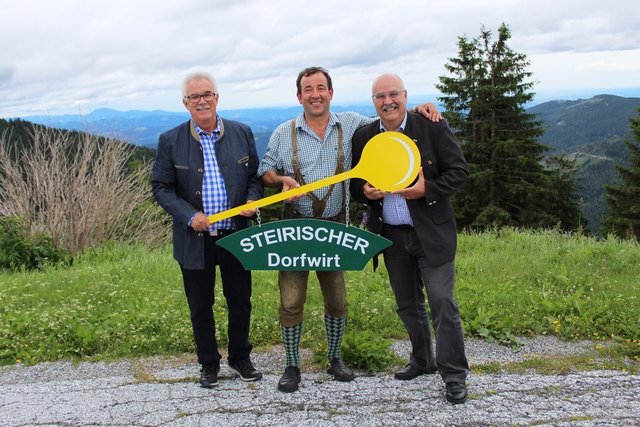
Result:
318,157
394,207
214,192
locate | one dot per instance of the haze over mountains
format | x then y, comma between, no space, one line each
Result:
144,127
589,130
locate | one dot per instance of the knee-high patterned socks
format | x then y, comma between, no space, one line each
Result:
291,339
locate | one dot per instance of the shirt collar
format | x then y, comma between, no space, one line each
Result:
301,122
400,129
216,130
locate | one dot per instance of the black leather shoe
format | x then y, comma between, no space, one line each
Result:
456,392
290,379
246,371
209,377
339,370
410,372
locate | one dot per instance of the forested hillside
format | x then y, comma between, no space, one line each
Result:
17,132
570,124
591,131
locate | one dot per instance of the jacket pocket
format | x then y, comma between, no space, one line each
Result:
244,160
441,218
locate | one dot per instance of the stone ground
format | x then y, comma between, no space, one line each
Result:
163,391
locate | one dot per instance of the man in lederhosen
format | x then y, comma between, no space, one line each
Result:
315,145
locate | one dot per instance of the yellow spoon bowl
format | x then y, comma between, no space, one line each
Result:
390,161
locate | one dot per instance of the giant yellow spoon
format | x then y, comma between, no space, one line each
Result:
390,161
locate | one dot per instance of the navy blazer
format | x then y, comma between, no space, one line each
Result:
445,171
178,173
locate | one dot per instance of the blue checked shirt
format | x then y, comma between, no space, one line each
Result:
394,207
318,157
214,192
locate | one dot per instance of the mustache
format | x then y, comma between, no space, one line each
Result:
389,107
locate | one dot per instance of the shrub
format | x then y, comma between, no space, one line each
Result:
19,250
368,350
78,189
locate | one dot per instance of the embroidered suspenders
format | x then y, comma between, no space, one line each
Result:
318,204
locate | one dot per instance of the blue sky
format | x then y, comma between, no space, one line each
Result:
73,56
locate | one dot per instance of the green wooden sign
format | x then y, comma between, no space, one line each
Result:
304,244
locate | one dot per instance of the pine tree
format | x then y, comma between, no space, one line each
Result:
484,102
564,201
623,198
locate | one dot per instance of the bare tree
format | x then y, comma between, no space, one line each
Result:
76,188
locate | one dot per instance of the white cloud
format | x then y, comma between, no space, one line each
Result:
62,55
599,69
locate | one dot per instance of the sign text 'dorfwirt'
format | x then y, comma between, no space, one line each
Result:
304,244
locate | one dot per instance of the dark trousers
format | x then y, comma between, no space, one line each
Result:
236,287
409,275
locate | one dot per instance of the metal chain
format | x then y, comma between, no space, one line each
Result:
346,208
258,217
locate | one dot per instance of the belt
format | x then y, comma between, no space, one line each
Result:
399,226
219,232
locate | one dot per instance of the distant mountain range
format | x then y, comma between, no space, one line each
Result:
573,124
589,130
144,127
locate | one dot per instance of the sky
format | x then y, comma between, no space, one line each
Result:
74,56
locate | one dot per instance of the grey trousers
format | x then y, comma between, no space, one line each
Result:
410,275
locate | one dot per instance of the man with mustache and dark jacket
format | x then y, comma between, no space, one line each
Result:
420,222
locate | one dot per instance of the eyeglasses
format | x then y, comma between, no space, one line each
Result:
207,96
394,95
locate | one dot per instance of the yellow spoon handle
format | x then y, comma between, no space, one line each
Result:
281,196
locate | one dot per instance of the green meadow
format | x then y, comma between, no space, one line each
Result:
122,301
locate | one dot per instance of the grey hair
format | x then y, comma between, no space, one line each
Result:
198,75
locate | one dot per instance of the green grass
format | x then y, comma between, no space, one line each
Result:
530,283
127,301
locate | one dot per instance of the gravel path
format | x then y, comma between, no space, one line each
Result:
162,391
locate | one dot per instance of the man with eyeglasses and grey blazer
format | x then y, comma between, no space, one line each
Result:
205,166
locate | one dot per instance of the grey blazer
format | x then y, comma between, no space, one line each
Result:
178,174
